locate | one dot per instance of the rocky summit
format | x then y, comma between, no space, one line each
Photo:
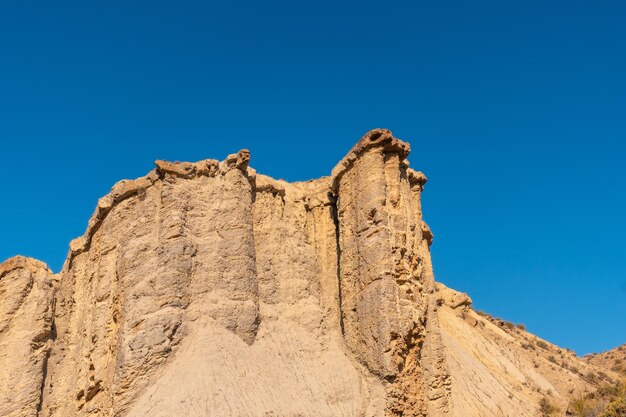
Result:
206,289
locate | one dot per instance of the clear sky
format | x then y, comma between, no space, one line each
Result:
516,111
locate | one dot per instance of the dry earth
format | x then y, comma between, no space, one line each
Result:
614,359
206,289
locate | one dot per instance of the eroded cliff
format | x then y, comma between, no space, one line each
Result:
206,289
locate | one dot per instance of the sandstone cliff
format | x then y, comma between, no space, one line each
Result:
206,289
26,333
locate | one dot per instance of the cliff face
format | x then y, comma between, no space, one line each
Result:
26,333
205,289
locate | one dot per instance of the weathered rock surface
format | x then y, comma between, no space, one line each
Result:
25,334
452,298
206,289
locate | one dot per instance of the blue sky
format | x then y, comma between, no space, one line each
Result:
516,112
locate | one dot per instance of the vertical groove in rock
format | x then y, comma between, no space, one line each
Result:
43,384
50,342
335,215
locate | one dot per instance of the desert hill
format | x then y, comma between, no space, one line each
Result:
613,360
206,289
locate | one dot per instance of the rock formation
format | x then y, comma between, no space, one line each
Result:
26,333
206,289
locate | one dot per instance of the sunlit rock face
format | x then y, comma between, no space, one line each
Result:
26,333
206,289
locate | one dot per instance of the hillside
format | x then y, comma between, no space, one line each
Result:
613,360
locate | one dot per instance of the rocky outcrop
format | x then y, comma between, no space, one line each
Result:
206,289
452,298
26,333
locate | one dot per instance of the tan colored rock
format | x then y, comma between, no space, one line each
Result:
26,311
206,289
452,298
